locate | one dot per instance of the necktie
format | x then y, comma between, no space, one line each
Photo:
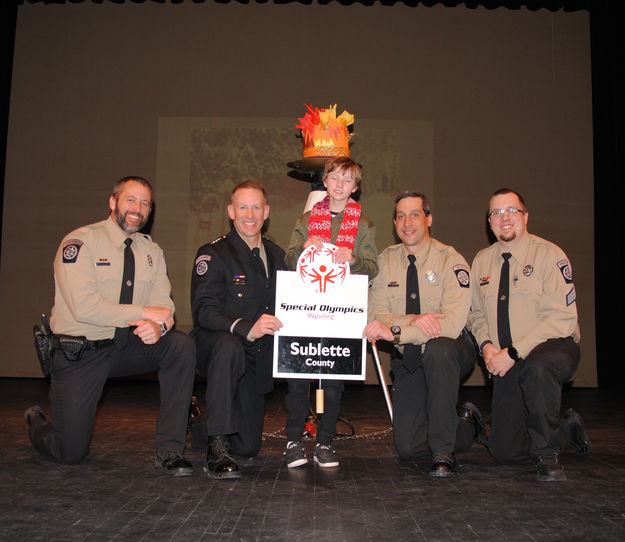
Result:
256,253
412,352
125,295
503,295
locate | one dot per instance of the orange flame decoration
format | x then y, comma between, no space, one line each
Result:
322,128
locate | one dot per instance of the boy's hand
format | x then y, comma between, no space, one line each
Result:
343,254
313,241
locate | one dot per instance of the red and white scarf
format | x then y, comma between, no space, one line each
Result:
320,223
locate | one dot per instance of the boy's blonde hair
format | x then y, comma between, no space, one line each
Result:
344,164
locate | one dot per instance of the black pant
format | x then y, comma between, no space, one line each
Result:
234,404
298,404
76,387
526,403
425,419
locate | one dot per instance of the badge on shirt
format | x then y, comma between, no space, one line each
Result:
71,248
150,262
239,279
201,264
431,276
570,297
393,284
528,270
103,262
484,280
462,275
565,269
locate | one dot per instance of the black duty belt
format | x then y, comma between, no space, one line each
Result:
62,342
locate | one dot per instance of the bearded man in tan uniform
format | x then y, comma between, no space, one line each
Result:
112,317
524,317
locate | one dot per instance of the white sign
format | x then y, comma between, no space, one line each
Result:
323,309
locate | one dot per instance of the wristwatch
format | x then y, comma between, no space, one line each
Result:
396,331
514,355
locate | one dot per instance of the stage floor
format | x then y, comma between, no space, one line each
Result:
117,494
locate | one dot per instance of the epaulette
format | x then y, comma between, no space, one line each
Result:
220,238
265,238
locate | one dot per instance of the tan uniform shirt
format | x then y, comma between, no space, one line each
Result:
444,287
542,294
88,270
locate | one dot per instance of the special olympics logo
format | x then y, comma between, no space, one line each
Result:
316,266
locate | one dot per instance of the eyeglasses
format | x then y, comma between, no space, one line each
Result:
497,214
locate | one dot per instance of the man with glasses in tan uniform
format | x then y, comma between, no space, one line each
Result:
524,318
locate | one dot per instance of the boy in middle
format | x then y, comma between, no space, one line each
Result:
336,219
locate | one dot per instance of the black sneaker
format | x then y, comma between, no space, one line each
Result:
218,463
549,468
295,454
173,463
325,456
579,438
443,465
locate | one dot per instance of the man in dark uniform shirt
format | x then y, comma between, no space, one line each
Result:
232,299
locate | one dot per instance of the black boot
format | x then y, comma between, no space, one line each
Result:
549,468
218,462
471,414
579,438
443,465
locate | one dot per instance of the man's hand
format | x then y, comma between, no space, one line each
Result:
376,330
148,331
498,362
428,323
488,352
265,325
160,315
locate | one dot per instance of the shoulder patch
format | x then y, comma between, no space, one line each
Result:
201,264
462,275
565,269
570,297
71,248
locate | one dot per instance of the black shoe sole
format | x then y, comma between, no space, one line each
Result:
179,473
226,475
551,477
441,474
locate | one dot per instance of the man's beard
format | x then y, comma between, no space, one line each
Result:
121,220
507,237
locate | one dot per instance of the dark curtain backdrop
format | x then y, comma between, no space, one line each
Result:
608,93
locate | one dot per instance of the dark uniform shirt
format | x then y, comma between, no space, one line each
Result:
230,291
